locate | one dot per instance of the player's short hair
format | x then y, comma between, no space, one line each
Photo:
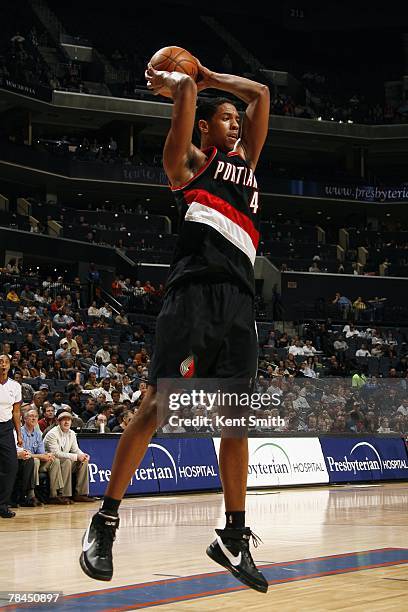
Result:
206,109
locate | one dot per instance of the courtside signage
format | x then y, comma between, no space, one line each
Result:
181,464
284,461
186,464
360,459
102,451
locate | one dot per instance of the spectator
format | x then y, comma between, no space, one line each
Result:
124,419
12,296
384,426
358,379
27,295
69,339
93,310
48,419
58,404
27,392
13,267
121,319
343,304
99,369
92,382
112,367
23,484
9,327
90,409
43,462
359,307
340,347
104,353
363,351
101,417
403,408
62,442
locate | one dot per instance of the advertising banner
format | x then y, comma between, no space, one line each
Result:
284,461
181,464
352,192
185,464
364,459
33,90
102,451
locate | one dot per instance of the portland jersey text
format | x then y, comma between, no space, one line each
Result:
218,233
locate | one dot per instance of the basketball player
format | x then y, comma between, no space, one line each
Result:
206,327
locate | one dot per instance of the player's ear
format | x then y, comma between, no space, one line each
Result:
203,126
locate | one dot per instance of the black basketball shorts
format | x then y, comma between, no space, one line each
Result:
206,330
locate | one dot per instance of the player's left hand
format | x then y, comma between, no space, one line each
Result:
204,77
156,80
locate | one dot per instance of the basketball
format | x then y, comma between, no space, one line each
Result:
175,59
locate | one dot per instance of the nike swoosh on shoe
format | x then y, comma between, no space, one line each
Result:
234,560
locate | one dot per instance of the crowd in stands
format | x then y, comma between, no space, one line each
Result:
327,109
20,60
83,362
306,370
289,242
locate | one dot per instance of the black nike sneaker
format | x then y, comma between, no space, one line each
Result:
231,550
96,556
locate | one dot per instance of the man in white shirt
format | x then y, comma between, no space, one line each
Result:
296,348
112,367
309,350
106,311
104,353
139,393
363,351
352,332
93,311
62,442
403,409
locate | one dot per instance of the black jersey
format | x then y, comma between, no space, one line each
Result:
218,233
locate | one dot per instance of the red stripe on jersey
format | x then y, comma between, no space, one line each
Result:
208,199
200,171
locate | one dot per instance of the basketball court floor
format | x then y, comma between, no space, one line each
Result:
326,548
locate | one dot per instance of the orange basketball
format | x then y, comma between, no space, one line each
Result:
175,59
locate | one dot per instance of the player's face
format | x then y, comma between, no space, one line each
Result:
223,127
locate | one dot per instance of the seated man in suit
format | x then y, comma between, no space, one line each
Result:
62,442
43,462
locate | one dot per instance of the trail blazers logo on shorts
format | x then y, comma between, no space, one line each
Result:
187,368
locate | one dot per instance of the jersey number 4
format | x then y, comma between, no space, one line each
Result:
254,202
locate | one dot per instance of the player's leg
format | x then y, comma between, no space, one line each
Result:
96,557
233,461
237,360
173,345
132,446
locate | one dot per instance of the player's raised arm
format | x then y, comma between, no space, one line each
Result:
256,120
178,149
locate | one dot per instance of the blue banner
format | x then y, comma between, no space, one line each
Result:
187,464
335,191
102,451
365,459
170,464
